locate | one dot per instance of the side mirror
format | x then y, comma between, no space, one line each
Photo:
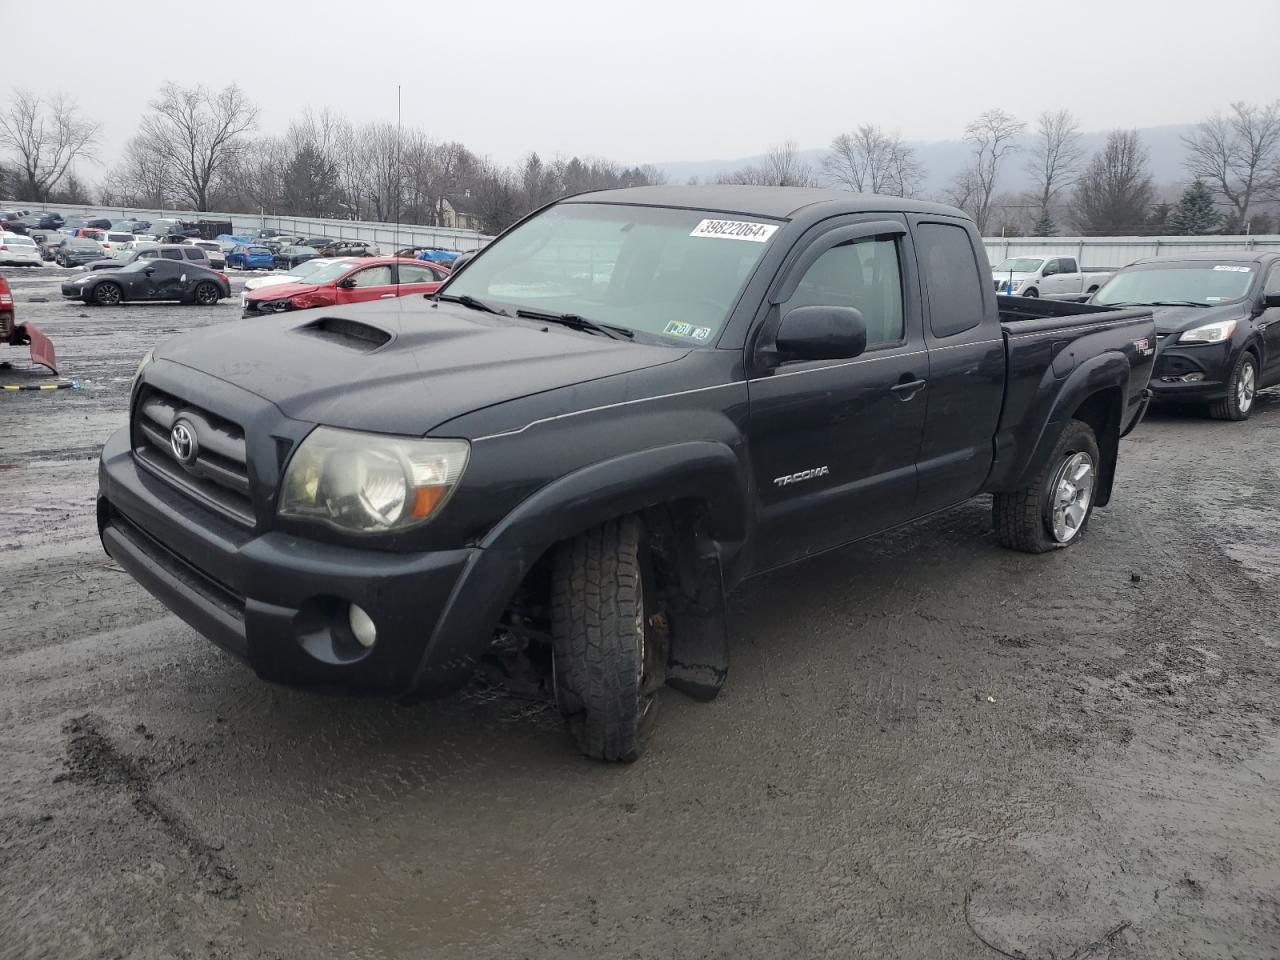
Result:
149,271
822,333
347,284
1270,301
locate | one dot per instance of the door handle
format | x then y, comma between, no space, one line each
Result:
906,391
387,296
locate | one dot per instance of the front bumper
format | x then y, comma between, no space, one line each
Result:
1191,373
280,602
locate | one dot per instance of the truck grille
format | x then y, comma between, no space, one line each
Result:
216,474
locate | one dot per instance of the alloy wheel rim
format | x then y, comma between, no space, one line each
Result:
108,295
1245,386
1072,493
644,702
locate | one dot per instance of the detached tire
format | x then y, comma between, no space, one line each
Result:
608,672
1053,510
1242,387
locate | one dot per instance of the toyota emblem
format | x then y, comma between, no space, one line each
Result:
182,438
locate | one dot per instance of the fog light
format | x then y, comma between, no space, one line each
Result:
362,626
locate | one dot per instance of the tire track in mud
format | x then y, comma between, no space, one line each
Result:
94,761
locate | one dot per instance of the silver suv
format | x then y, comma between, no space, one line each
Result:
170,251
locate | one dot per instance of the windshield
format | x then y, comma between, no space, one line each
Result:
1202,283
138,266
14,240
1018,265
653,269
326,273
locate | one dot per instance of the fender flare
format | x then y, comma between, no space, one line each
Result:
1107,371
704,470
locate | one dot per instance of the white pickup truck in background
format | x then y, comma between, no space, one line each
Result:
1054,278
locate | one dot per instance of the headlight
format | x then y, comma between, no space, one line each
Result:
1210,333
137,374
369,483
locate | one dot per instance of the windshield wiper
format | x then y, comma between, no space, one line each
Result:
575,321
1178,303
469,301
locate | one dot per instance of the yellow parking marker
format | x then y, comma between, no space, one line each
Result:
69,385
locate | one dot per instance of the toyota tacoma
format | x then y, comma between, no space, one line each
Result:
626,405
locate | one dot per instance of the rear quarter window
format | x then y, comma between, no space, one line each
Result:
195,253
952,278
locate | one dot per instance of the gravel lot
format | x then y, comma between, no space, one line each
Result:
926,743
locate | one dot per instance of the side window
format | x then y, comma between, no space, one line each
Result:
864,275
373,277
1067,265
415,274
1273,280
1051,267
148,254
195,253
951,276
171,254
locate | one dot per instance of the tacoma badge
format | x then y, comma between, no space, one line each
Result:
802,475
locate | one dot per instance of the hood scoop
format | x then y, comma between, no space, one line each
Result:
351,334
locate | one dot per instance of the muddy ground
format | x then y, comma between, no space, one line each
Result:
928,747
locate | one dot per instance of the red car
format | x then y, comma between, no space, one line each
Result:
372,278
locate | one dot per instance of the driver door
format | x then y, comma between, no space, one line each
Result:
834,443
166,281
368,283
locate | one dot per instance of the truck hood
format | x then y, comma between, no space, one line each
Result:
1178,319
1016,276
441,361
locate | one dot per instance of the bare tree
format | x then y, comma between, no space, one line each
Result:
781,167
868,160
1115,193
140,179
198,135
45,137
992,137
1238,155
1055,158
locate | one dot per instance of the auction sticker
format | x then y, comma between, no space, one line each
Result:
735,230
1226,267
676,328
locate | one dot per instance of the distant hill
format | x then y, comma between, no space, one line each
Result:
943,159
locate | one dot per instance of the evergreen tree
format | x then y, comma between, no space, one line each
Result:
1194,215
1044,225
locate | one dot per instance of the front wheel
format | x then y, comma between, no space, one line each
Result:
1053,510
608,667
1033,293
1242,387
107,294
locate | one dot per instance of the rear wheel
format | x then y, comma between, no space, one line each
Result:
1053,510
608,668
206,294
107,294
1242,388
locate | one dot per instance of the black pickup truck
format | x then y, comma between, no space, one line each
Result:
625,406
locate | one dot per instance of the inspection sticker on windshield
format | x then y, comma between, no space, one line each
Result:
676,328
1223,266
735,230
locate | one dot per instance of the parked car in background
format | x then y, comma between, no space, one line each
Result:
430,254
267,233
316,242
344,282
1217,325
350,248
288,257
19,250
102,223
462,260
112,240
149,250
251,257
45,220
78,251
217,259
154,279
299,274
1054,278
229,241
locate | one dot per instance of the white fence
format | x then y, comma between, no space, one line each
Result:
389,236
1119,251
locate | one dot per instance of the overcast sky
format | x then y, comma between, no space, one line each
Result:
664,80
